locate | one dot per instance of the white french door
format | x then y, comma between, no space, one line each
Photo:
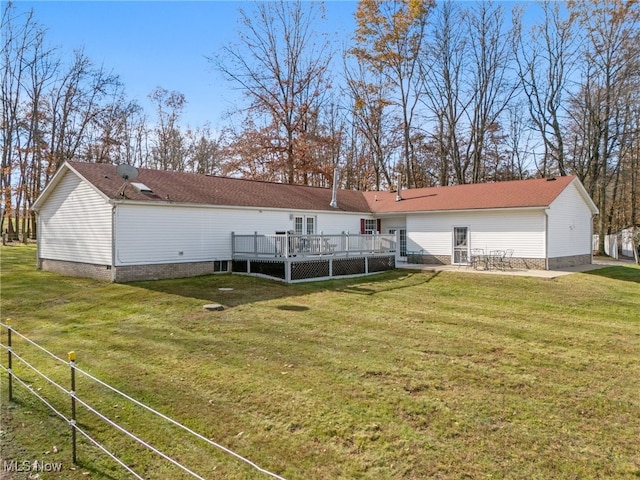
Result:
304,225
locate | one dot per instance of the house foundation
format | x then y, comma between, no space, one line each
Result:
77,269
570,261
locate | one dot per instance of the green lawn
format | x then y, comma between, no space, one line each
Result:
400,375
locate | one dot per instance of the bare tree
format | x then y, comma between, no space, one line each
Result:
442,73
545,57
369,92
168,151
519,142
135,150
109,135
282,71
492,85
21,37
389,40
611,69
50,113
42,66
203,151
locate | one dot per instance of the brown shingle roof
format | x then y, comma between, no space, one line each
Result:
512,194
192,188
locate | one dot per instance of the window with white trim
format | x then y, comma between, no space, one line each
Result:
311,225
220,266
370,226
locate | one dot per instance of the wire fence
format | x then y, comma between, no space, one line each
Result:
14,358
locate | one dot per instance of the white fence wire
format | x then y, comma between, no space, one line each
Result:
71,421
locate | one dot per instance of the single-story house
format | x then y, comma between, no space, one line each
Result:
94,222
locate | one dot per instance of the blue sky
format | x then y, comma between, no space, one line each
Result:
161,43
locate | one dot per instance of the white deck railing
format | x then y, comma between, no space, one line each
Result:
291,245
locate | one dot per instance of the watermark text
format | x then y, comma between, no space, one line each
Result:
31,466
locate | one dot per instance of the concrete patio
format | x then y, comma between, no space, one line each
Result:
597,263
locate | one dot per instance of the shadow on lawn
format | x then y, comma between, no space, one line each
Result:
628,274
241,289
407,280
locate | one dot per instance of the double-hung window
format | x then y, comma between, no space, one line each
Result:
370,226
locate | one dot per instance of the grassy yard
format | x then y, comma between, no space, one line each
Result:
403,375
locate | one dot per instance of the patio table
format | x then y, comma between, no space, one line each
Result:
478,257
486,261
494,258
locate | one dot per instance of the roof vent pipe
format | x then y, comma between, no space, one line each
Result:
399,182
334,192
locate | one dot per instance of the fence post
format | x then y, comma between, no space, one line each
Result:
72,365
10,359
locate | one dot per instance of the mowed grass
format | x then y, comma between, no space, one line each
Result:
402,375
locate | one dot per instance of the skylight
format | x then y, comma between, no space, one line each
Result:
142,187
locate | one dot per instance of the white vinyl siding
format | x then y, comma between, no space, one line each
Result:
520,230
569,224
393,222
75,224
154,234
336,223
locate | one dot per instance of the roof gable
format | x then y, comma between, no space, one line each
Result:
60,174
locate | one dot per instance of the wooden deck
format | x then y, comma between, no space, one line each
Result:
296,258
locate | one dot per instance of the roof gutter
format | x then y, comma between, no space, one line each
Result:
463,210
164,203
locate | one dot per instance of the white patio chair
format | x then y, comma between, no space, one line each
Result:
478,257
505,260
495,258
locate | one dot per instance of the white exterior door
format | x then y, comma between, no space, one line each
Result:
305,225
460,246
402,240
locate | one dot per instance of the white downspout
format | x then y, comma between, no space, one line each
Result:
591,238
546,239
113,243
38,255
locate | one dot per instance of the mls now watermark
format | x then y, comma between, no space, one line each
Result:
31,466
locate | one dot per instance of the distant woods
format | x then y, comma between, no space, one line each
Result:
432,93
